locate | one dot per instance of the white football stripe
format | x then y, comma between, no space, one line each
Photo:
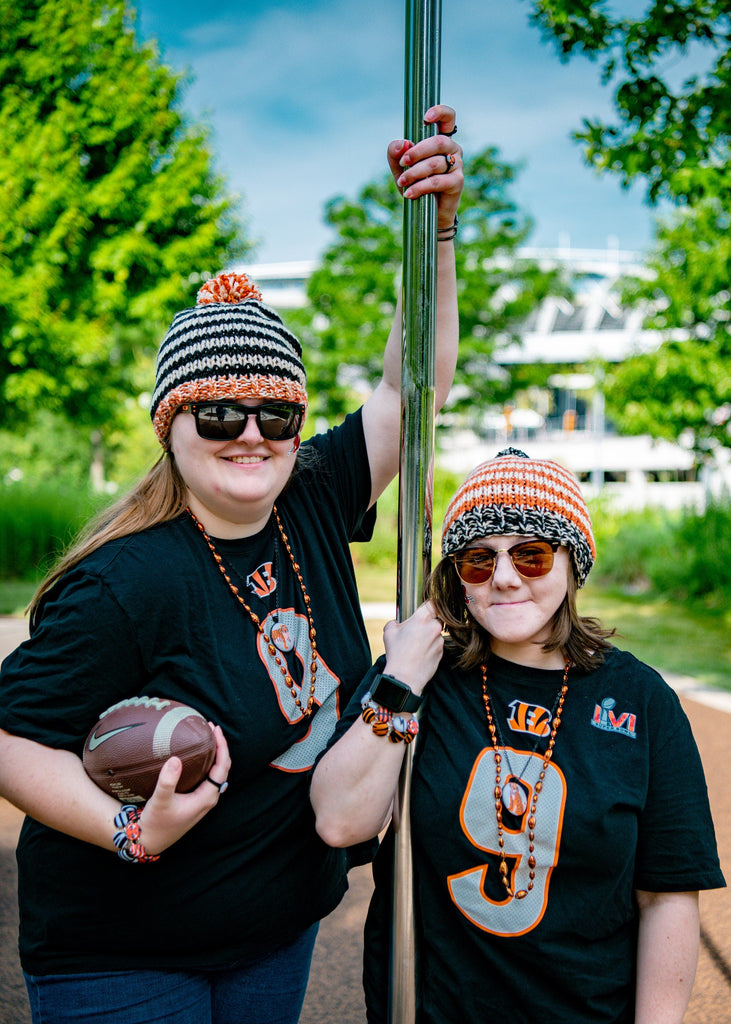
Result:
164,731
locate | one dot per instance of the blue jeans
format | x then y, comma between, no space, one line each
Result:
270,990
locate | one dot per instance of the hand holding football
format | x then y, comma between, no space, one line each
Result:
133,739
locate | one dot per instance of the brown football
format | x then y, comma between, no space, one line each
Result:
133,739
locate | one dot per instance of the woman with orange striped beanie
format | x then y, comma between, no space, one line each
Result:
559,818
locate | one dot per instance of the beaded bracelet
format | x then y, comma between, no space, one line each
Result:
447,234
384,723
127,838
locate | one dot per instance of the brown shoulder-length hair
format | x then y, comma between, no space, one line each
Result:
581,639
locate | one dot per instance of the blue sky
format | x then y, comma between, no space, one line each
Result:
304,95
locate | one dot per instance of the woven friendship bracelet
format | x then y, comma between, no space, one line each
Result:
127,837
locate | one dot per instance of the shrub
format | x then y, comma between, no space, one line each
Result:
37,523
699,563
382,549
682,554
629,544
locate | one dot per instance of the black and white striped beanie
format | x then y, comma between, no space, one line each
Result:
230,345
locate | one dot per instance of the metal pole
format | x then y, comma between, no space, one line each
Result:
423,30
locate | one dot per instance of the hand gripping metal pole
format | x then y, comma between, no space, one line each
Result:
423,30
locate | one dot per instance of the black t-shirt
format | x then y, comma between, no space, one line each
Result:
150,614
623,806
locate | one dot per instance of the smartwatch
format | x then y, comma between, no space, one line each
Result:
394,695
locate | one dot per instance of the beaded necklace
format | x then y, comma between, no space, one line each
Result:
498,792
279,634
512,797
282,665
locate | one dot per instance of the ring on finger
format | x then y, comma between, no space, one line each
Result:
450,134
451,161
220,786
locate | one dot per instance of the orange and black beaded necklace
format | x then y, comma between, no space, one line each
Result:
537,788
306,708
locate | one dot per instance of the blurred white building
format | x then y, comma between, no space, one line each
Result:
566,421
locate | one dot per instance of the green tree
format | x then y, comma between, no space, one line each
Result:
671,74
352,294
109,210
684,387
672,131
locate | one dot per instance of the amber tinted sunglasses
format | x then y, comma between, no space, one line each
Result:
531,559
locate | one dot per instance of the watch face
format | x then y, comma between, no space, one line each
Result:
391,694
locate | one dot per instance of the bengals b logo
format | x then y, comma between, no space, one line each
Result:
530,718
260,581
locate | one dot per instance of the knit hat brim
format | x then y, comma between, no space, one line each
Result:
212,388
230,345
513,494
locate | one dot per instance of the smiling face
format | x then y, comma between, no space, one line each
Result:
517,612
233,484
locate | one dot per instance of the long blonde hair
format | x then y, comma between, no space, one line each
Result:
158,497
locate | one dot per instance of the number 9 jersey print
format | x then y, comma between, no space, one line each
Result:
531,872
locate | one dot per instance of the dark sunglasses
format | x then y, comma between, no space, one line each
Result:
531,559
223,421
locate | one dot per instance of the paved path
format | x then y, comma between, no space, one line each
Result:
334,994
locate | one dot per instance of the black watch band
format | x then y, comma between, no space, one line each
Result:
394,695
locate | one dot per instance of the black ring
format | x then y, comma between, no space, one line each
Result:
450,134
220,786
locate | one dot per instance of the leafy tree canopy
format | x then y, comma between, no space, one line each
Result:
109,207
684,387
352,294
673,132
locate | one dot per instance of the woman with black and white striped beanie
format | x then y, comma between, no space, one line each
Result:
229,345
224,581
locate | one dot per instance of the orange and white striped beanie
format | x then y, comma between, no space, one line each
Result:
513,494
229,345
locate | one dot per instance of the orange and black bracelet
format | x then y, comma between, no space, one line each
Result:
384,723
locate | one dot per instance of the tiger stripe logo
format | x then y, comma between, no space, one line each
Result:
261,581
533,719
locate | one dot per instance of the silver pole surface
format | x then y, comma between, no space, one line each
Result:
423,31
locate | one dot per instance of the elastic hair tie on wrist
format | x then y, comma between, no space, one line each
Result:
447,234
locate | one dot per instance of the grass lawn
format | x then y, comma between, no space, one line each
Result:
689,640
682,638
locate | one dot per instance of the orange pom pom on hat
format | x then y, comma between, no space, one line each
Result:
230,345
513,494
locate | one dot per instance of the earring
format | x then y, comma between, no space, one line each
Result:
467,598
295,445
